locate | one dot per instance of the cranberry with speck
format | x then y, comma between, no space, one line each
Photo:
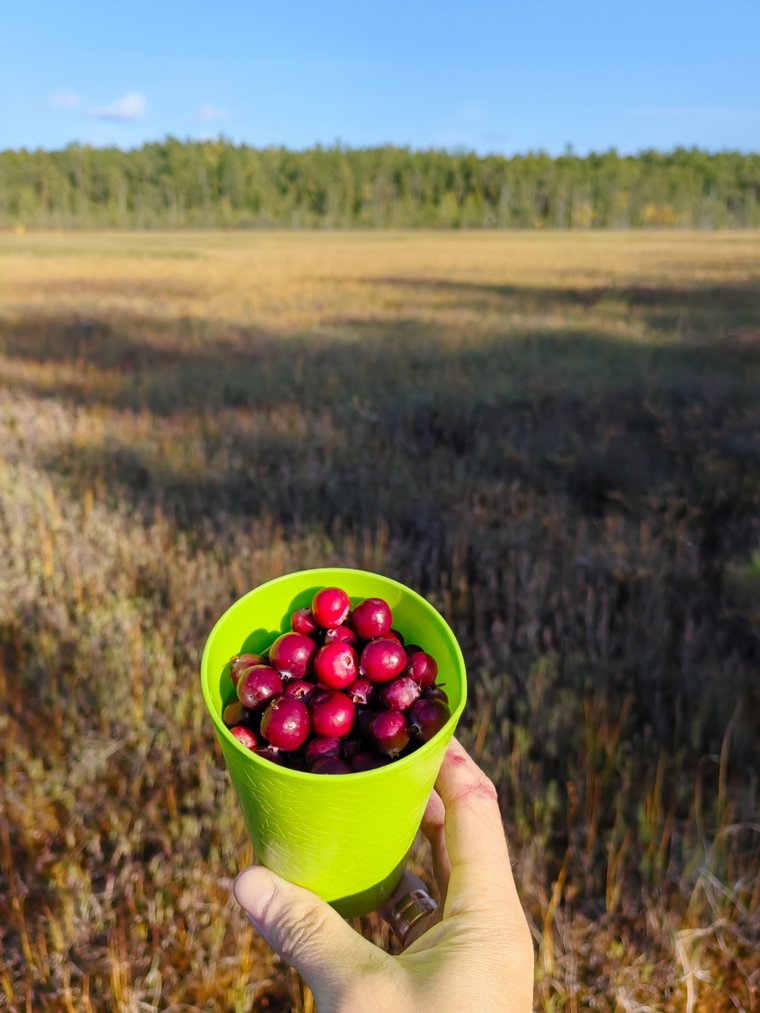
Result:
371,618
303,622
330,765
399,694
285,723
332,714
422,668
427,718
382,660
336,665
330,607
240,663
343,633
292,655
389,732
257,686
361,691
321,747
300,689
435,693
272,754
244,736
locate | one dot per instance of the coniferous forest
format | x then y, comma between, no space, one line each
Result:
175,184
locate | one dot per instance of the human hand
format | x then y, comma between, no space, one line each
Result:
479,956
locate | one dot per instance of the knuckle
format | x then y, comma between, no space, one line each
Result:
299,929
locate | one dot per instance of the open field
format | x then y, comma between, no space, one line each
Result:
556,438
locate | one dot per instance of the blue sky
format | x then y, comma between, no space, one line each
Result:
487,76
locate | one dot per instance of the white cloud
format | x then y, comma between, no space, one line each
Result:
64,100
206,112
128,107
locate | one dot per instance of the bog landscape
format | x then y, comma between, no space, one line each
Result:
552,436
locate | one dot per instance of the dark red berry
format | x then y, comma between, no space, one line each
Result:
258,685
285,723
330,765
368,761
235,714
435,693
299,689
395,635
302,621
332,714
292,654
372,618
330,607
343,633
399,694
240,663
361,691
412,649
389,732
336,665
382,660
320,748
272,754
427,718
244,736
363,717
422,668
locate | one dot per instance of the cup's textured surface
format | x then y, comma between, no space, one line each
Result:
345,837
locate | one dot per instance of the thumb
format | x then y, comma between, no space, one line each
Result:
307,933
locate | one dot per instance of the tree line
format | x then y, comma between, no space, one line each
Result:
220,184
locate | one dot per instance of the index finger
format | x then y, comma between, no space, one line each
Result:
475,840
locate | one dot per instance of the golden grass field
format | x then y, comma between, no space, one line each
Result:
554,437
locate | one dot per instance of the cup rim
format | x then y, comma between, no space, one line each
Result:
445,732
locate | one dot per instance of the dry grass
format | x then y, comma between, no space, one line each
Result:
553,437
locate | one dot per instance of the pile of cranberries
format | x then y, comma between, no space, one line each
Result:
339,693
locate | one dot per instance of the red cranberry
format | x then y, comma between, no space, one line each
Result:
244,736
422,668
360,691
399,694
395,635
235,714
427,718
292,654
372,618
382,660
330,607
389,731
302,621
332,714
258,685
368,761
343,633
285,723
435,693
299,689
320,748
412,649
271,754
240,663
336,665
330,765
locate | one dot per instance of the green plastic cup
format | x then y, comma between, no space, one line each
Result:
345,837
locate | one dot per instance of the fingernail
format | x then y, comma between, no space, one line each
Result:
253,891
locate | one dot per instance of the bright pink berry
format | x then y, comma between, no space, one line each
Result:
258,685
399,694
422,668
300,689
330,607
244,736
382,660
427,718
332,714
372,618
302,621
292,654
336,665
285,723
240,663
330,765
395,635
368,761
389,732
361,691
272,754
319,748
342,633
435,693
